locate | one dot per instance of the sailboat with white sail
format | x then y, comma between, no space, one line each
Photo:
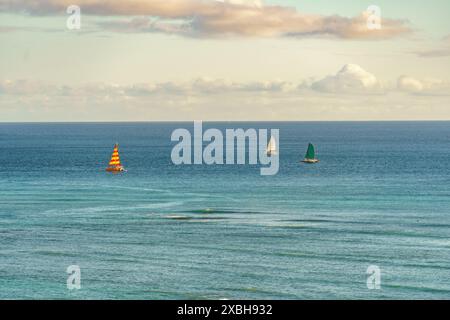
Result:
271,147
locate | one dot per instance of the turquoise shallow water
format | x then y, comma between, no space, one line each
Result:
380,196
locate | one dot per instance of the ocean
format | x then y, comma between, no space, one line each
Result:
379,197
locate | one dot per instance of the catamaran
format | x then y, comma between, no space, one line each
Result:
114,163
271,147
310,156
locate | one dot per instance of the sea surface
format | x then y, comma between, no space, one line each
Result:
379,197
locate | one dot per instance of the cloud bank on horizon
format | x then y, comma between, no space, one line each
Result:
349,80
212,18
351,94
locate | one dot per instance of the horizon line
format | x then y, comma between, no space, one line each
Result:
220,121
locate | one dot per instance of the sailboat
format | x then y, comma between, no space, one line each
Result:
114,163
310,156
271,147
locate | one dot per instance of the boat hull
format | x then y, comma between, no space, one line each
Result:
310,161
115,169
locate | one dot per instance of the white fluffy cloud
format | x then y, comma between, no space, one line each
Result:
409,84
426,86
350,79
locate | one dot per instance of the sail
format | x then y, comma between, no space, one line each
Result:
310,154
272,146
115,159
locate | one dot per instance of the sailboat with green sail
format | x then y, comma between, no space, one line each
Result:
310,156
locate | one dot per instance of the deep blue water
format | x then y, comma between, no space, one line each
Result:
380,196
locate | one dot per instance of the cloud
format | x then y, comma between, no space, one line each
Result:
425,87
210,18
442,51
214,100
344,96
437,53
409,84
201,86
23,87
350,79
147,25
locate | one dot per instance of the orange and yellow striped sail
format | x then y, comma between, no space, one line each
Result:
114,163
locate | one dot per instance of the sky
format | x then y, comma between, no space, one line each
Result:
167,60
